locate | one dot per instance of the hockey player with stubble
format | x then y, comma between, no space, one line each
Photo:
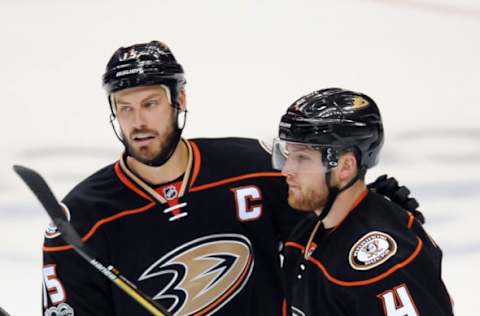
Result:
360,254
195,223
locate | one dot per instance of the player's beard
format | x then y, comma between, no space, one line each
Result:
306,199
158,149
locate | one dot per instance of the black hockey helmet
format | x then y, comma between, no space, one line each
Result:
335,120
332,121
143,65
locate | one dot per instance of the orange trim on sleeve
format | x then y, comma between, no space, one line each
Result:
100,223
233,179
129,183
382,276
197,162
332,279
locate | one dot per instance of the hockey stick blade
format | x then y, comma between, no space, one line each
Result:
46,197
50,203
3,312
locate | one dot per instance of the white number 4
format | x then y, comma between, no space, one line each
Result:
53,286
244,198
398,302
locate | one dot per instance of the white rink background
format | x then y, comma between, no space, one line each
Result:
246,61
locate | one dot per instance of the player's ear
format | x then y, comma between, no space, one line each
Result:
347,167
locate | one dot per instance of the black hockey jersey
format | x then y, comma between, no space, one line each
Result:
378,262
206,244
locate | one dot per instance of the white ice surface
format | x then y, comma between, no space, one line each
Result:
246,61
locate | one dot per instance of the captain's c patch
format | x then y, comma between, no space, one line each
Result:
372,250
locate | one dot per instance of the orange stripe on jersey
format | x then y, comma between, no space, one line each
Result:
100,223
233,179
410,220
360,198
227,293
197,162
295,245
382,276
284,307
129,183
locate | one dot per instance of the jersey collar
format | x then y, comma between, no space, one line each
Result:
136,184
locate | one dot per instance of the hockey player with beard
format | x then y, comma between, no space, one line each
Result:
195,223
360,254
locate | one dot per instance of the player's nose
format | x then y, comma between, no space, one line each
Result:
288,169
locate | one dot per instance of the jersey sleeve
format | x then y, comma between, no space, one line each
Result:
401,293
71,286
412,286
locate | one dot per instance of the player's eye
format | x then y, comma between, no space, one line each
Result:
124,109
303,158
300,158
150,104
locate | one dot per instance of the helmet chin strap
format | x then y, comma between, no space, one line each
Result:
333,192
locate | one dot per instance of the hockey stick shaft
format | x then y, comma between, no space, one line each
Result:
46,197
114,276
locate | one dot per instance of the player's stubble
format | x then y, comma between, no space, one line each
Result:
156,148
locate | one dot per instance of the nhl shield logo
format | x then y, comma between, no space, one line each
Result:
170,192
372,250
